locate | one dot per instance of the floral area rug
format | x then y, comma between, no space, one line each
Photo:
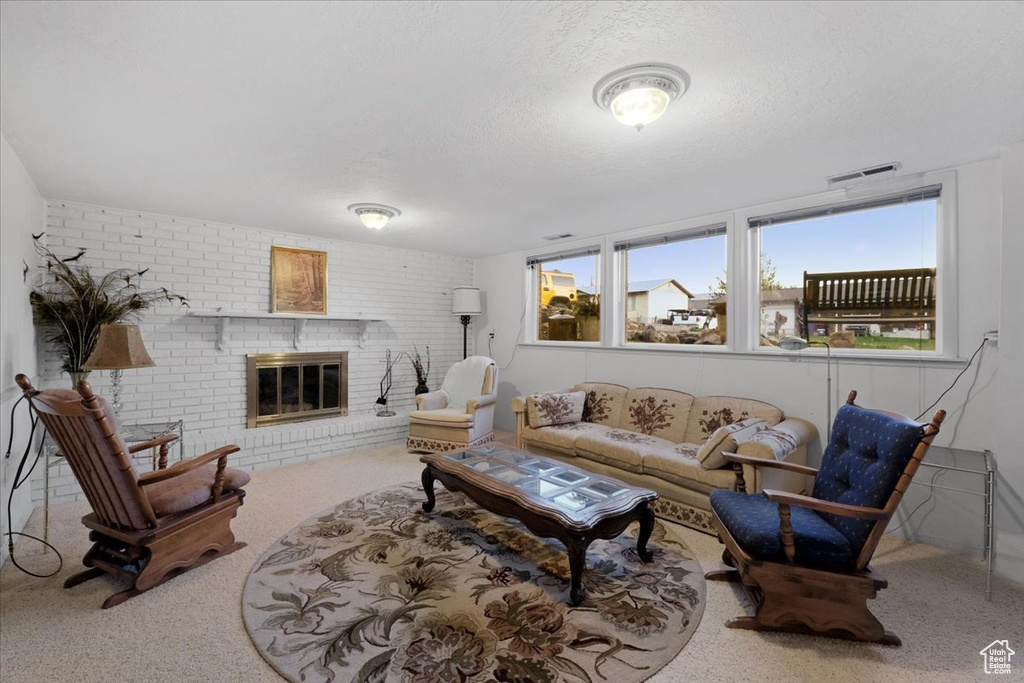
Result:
375,589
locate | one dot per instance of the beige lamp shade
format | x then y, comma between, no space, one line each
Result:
119,347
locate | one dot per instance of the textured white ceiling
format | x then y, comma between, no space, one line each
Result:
476,119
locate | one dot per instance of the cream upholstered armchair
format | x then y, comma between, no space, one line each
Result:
459,415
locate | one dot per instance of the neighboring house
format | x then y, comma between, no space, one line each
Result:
648,301
781,312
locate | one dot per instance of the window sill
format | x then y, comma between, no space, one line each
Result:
563,345
813,356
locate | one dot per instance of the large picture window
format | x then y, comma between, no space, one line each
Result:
673,286
567,295
859,274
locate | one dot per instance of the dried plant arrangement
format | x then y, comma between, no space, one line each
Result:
70,303
422,371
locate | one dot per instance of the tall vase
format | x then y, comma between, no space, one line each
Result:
78,376
422,388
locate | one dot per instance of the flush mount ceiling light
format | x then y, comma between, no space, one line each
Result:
640,94
374,216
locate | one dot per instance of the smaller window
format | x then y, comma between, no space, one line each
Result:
672,283
568,297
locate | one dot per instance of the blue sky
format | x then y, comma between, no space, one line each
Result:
901,236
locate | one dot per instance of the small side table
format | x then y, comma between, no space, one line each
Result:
131,433
978,463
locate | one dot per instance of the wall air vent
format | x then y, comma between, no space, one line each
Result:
851,176
562,236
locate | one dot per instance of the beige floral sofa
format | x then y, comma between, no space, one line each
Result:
651,437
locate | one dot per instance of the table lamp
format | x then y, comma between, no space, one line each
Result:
119,348
465,303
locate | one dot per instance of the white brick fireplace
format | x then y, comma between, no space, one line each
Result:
227,269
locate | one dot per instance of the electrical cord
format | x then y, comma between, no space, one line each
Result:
19,480
957,379
519,334
938,474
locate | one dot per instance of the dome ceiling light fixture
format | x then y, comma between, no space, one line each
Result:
374,216
640,94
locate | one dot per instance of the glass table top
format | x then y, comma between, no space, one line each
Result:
567,488
943,457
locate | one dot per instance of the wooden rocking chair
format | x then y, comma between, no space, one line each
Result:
803,560
147,528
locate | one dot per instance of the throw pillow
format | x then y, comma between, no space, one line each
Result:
774,443
555,409
725,440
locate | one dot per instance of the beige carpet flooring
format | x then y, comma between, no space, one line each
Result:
190,629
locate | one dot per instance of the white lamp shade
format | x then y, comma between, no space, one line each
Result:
466,301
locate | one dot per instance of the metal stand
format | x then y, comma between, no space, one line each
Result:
989,475
115,391
465,320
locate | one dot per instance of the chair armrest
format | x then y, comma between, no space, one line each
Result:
855,511
153,443
433,400
519,404
776,464
180,468
480,402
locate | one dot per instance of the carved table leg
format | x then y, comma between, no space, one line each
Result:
428,488
577,547
646,527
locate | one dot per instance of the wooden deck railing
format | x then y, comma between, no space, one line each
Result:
877,296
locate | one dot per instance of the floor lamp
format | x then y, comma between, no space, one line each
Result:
799,344
465,303
119,348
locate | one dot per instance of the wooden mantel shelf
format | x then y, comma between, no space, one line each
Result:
300,320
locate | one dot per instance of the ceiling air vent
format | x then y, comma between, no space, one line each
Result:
851,176
564,235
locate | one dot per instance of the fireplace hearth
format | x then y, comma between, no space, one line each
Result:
290,387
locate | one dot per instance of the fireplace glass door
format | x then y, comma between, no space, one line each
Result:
286,387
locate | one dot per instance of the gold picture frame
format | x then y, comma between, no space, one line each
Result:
298,281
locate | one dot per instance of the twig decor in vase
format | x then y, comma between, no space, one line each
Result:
70,304
422,372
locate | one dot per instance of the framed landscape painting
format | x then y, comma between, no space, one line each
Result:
298,281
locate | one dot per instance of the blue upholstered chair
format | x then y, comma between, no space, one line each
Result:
803,560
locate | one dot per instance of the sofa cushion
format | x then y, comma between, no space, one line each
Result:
554,409
449,417
605,402
725,440
678,464
711,412
561,438
619,448
753,521
657,412
191,489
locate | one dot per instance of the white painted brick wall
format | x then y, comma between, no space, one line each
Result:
228,267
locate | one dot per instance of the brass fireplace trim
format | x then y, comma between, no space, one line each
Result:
256,361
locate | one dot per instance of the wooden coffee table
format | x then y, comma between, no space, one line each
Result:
552,499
